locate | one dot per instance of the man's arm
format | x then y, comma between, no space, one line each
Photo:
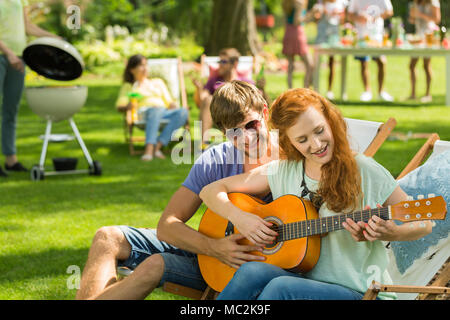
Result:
387,14
13,59
172,228
33,30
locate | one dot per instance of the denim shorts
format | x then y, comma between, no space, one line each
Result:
180,266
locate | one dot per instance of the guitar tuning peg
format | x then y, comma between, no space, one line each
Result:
410,198
420,197
431,195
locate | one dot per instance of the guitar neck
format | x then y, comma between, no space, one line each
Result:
313,227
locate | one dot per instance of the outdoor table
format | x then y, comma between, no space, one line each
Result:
345,51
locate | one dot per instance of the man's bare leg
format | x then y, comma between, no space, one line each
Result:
108,246
144,279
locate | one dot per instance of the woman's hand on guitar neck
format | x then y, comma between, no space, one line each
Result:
375,229
229,251
254,228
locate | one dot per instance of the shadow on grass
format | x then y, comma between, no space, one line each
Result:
47,263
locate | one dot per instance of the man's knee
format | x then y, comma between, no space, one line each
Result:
151,269
183,114
381,61
112,240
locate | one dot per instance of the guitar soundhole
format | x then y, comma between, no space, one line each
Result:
274,247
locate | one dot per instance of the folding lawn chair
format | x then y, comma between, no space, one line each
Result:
170,70
420,269
368,136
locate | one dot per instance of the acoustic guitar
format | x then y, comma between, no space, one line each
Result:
297,247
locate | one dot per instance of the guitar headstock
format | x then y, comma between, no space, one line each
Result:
432,208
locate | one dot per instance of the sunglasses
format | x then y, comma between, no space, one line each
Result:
224,61
238,132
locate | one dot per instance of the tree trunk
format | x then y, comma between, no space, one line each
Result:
233,25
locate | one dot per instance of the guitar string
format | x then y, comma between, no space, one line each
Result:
301,229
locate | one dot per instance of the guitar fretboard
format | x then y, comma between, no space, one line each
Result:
305,228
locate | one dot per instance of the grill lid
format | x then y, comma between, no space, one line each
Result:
54,59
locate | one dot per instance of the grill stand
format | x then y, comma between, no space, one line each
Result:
38,171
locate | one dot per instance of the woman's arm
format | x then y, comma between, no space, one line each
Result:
299,5
172,228
434,17
215,196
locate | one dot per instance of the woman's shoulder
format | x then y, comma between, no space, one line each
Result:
126,85
366,163
370,167
157,80
284,167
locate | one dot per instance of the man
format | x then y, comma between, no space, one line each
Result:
369,16
15,25
227,71
238,109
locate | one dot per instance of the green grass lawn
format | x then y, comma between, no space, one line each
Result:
47,226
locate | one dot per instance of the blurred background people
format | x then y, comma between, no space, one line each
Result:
425,15
368,17
330,15
155,104
15,25
294,41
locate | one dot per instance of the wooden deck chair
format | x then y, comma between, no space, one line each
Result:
420,269
368,136
170,70
432,144
207,63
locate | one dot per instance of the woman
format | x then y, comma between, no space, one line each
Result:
14,27
319,161
294,41
154,105
425,15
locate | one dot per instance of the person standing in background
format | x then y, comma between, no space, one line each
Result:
425,15
294,41
368,17
14,26
330,14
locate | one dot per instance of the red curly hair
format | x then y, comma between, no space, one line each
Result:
340,181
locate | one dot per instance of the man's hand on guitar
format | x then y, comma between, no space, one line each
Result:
233,254
255,229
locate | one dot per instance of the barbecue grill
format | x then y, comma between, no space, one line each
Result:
58,60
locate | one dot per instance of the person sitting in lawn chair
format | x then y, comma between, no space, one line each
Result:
154,105
226,72
239,109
